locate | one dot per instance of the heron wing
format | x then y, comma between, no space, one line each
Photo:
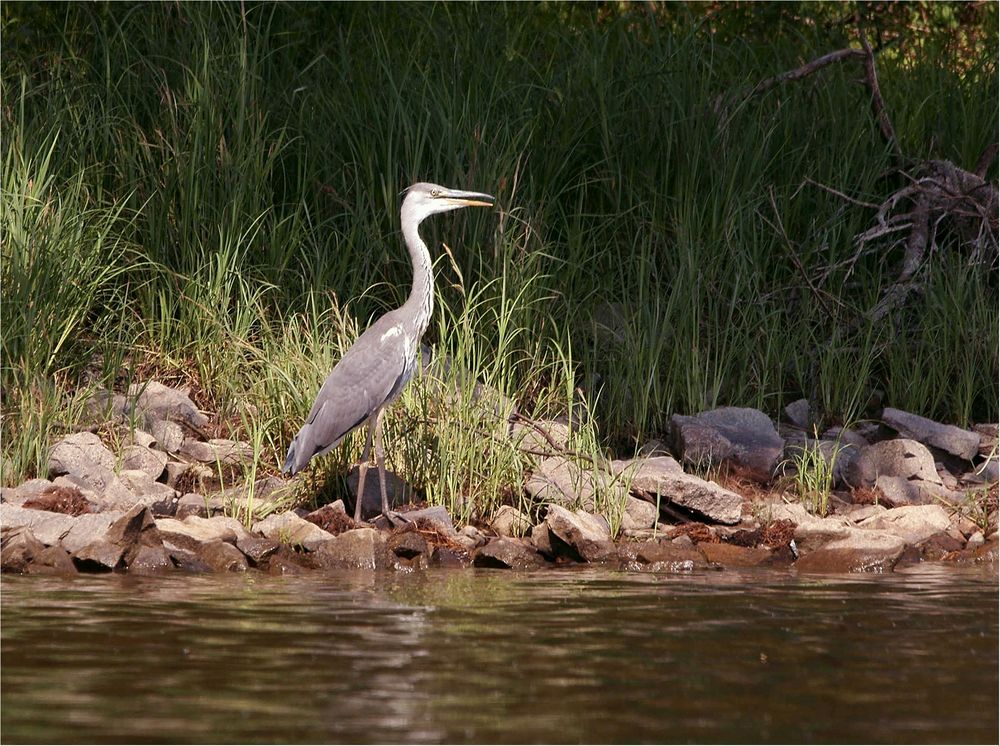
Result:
369,375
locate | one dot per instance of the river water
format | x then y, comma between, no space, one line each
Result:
492,656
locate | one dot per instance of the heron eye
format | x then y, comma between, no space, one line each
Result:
435,193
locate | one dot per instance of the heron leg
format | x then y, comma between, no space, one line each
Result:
380,462
366,455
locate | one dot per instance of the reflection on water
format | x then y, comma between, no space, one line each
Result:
488,656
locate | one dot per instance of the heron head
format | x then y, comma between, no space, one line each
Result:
424,199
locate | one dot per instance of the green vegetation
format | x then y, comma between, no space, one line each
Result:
209,193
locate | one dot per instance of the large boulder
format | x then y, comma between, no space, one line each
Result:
663,477
562,481
742,435
48,528
948,438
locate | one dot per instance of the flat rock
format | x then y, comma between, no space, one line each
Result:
901,491
194,530
146,460
288,528
742,435
583,534
860,551
506,553
948,438
88,529
363,548
509,521
913,524
194,504
154,401
436,516
216,451
31,488
47,527
664,477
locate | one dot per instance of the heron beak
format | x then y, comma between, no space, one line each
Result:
468,199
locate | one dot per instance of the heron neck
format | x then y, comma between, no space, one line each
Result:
420,304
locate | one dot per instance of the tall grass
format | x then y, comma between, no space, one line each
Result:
214,189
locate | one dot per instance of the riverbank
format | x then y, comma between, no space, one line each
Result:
732,489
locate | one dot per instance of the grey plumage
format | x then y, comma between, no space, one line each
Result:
377,367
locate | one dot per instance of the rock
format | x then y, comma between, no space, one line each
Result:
98,556
169,436
288,528
860,551
186,477
194,504
150,561
194,530
146,460
938,545
90,529
541,540
154,401
976,540
903,469
397,491
584,537
948,438
845,437
509,521
560,481
743,435
52,561
913,524
730,555
436,517
257,548
142,438
507,554
47,527
663,476
222,556
20,547
363,548
798,413
639,514
533,438
138,482
217,451
444,557
408,545
474,535
78,454
814,533
659,556
29,489
654,447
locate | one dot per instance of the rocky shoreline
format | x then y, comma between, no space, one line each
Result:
904,490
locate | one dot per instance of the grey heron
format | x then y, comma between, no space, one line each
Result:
377,367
